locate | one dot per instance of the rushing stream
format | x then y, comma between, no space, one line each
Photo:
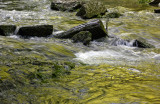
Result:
103,74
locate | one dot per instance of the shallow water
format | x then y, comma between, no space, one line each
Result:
104,74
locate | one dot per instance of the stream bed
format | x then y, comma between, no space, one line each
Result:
100,73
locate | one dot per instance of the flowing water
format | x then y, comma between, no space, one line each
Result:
104,74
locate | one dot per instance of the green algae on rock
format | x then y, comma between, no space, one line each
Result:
91,9
84,36
113,15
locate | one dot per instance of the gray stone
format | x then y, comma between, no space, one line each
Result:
65,5
95,27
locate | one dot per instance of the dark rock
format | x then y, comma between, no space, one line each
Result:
95,27
84,36
157,11
38,30
154,3
6,30
131,41
65,5
113,15
142,44
91,9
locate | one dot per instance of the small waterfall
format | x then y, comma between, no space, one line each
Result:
129,43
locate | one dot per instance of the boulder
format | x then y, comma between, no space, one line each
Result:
157,11
84,36
6,30
91,9
65,5
38,30
154,3
95,27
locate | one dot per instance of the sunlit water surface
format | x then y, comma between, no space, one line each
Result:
112,74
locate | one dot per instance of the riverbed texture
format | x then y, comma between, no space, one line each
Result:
113,61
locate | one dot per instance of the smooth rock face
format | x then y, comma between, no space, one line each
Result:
65,5
84,36
91,9
39,31
6,30
157,11
95,27
155,3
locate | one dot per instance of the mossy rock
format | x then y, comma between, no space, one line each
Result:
69,5
92,9
113,15
6,30
84,36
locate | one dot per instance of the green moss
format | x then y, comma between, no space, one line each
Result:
113,15
92,9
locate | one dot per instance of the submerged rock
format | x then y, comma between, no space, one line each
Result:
84,36
38,30
95,27
6,30
155,3
92,9
65,5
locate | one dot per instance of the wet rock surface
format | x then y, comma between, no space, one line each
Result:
95,27
84,36
92,9
37,30
6,30
64,5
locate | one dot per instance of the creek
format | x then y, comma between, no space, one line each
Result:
104,74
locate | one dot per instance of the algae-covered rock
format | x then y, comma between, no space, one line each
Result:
38,30
6,30
65,5
95,27
113,15
91,9
84,36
